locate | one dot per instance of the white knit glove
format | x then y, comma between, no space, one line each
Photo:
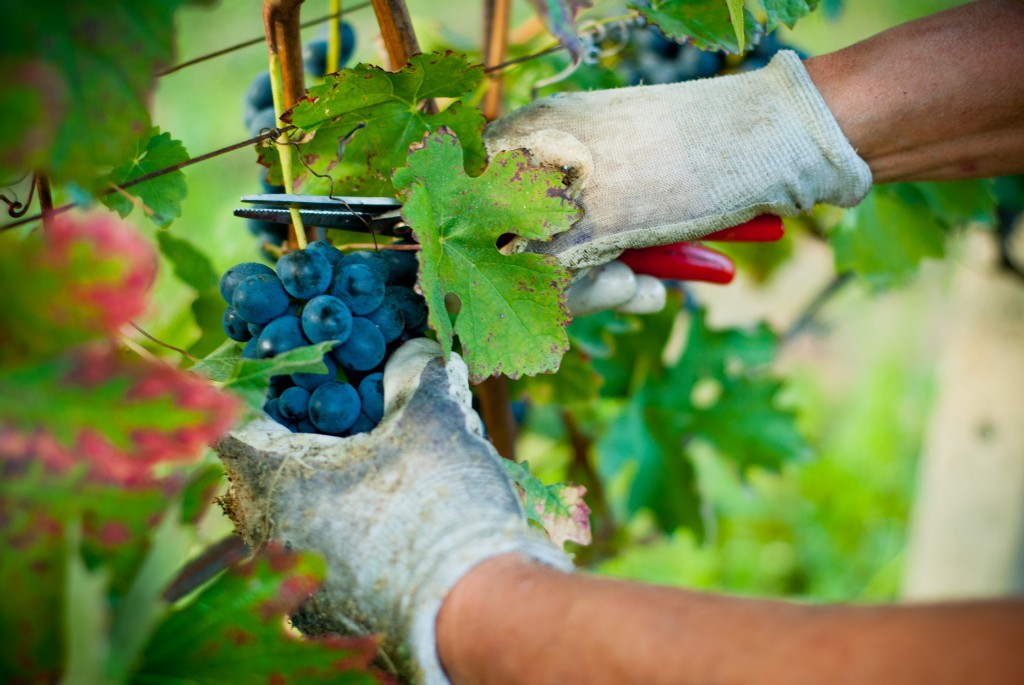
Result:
655,165
399,514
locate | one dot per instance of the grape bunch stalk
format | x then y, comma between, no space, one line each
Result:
363,301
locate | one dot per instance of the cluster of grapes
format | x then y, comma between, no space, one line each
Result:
258,114
653,58
364,301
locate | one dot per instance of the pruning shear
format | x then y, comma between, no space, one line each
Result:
685,261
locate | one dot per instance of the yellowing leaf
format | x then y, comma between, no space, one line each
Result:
513,311
558,508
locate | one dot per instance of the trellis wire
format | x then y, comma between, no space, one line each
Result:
257,41
272,133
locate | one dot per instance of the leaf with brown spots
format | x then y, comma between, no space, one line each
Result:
513,314
364,119
234,632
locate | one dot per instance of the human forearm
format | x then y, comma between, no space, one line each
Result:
934,99
510,621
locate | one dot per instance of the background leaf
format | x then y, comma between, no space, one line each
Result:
116,417
86,277
786,12
513,312
234,632
193,268
559,16
708,24
91,66
161,195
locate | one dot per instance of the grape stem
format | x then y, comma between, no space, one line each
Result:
334,38
281,23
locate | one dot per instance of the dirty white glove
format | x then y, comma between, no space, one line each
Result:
399,514
655,165
615,286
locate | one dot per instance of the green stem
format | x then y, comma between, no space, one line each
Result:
284,147
334,38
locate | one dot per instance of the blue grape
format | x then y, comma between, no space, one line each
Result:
238,273
269,187
314,53
255,329
364,349
360,287
305,426
304,274
362,425
272,409
267,231
259,97
410,303
374,260
371,393
324,248
278,384
312,381
260,298
334,407
402,265
234,326
294,403
388,318
251,349
326,318
281,335
265,119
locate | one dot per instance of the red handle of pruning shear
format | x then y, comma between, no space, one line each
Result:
692,262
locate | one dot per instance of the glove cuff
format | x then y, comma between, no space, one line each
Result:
839,176
423,635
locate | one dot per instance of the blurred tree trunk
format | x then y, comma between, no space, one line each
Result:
967,527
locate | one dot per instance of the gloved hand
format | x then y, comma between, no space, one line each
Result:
654,165
400,514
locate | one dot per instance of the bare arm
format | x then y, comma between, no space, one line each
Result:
511,621
934,99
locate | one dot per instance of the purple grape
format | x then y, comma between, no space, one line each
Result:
371,393
281,335
304,274
326,318
359,286
334,407
234,326
294,403
364,349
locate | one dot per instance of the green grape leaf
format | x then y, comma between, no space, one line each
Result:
82,280
707,23
193,268
220,364
374,116
645,442
234,632
559,16
738,18
575,383
786,12
250,378
884,238
114,416
91,67
955,203
559,509
160,196
513,310
719,392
